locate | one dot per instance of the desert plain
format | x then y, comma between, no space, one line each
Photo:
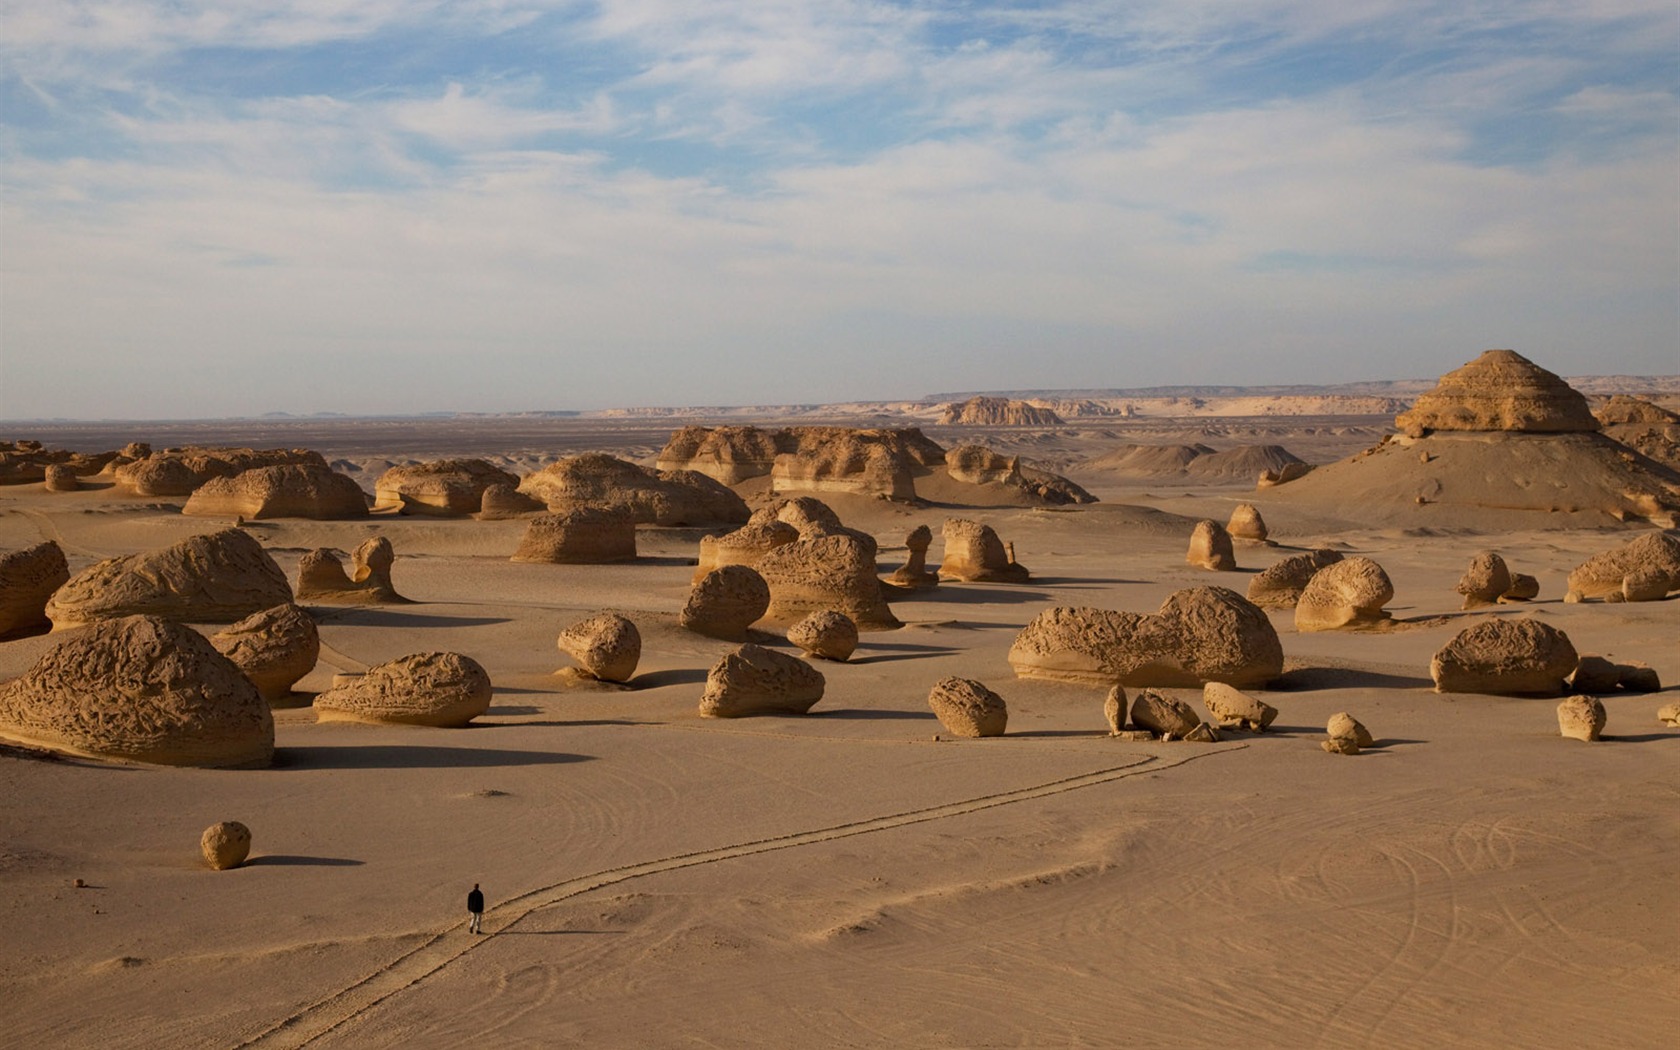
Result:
857,877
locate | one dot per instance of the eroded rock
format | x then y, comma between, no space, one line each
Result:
607,646
967,708
754,680
423,689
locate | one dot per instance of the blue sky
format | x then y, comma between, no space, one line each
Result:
227,207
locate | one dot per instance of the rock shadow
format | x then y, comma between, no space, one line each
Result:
673,676
1307,679
296,860
862,714
384,616
421,756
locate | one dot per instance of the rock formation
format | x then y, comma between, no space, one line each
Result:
825,572
292,490
1210,547
215,578
28,579
729,455
754,680
978,465
973,553
1280,585
60,477
1233,709
321,576
914,574
826,634
1669,715
501,500
1346,735
1651,560
1200,635
139,689
997,412
225,845
606,646
1505,657
1485,581
1246,523
725,602
1594,675
1651,430
447,487
1621,410
422,689
745,546
25,462
1500,390
180,471
967,708
583,536
1115,710
1580,718
650,497
274,648
1166,716
1346,593
846,465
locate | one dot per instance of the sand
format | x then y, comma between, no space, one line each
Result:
845,878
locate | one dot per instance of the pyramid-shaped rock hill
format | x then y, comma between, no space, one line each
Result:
1499,391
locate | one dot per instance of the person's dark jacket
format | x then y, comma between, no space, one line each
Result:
475,901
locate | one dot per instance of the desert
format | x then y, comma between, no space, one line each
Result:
1124,798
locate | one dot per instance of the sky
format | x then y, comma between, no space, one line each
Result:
217,208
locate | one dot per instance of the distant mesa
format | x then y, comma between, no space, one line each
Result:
648,497
1195,461
28,578
321,575
291,490
140,689
423,689
215,578
997,412
180,471
445,487
1499,391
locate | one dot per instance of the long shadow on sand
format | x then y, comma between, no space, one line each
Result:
1081,582
1305,679
292,860
674,676
860,714
981,595
371,617
388,756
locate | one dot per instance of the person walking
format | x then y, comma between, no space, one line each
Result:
475,905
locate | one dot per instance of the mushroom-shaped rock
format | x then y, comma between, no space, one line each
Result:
1210,547
584,536
914,572
1280,585
1232,708
1500,390
140,689
725,602
1505,657
502,500
321,575
967,708
607,646
225,845
827,634
422,689
1485,581
1114,710
825,572
28,579
290,490
754,680
973,552
445,487
61,477
1166,716
1246,523
215,578
1200,634
1580,718
1347,593
274,648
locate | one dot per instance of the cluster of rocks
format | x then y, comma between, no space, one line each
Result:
1280,585
1346,735
180,471
1644,569
1489,580
321,575
598,482
289,490
1155,716
26,462
444,488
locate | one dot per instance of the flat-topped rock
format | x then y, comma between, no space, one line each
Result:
219,577
290,490
982,411
444,487
582,536
422,689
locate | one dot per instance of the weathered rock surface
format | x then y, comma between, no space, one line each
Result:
1580,718
180,471
607,646
1247,524
215,578
422,689
501,500
827,634
973,553
1669,715
1650,556
1507,657
1485,581
274,648
292,490
1210,547
745,546
1115,710
600,482
1347,593
139,689
1280,585
1166,716
1343,724
225,845
583,536
60,477
445,487
725,602
24,462
914,573
997,412
825,572
1523,588
1200,635
1233,709
28,579
967,708
1500,390
754,680
321,576
978,465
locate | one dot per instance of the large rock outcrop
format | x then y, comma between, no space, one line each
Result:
180,471
1500,390
1505,657
649,497
1346,593
273,648
582,536
1652,430
140,689
754,680
825,458
978,465
216,578
835,572
445,487
984,411
968,708
423,689
321,575
1199,635
28,579
23,462
1652,561
973,553
1280,585
291,490
725,602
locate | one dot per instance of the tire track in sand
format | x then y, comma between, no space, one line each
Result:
437,951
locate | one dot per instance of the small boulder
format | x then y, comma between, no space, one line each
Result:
1165,716
1210,547
606,646
423,689
1485,581
1202,734
826,634
1581,718
1647,585
225,845
725,602
967,708
1347,593
274,648
1114,710
1524,588
1247,524
754,680
1669,715
1234,709
1340,745
1343,724
1509,657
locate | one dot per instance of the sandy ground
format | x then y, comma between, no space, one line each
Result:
845,879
